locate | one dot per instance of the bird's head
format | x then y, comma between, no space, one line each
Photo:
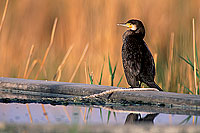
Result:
136,26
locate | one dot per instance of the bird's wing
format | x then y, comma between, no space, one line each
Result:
131,71
135,67
152,68
133,59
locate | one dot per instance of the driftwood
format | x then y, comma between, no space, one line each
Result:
40,91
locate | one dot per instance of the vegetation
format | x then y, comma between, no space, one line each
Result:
29,24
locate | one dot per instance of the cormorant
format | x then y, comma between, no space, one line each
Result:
137,59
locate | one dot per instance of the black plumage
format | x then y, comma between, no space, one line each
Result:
137,59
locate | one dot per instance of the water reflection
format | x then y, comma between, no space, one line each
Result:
17,113
138,119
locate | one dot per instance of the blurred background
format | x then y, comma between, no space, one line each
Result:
92,23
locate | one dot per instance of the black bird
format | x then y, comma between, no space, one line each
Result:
137,59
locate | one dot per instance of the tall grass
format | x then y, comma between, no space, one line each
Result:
48,48
169,64
28,62
112,72
79,63
58,74
193,65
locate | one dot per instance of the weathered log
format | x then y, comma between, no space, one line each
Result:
40,91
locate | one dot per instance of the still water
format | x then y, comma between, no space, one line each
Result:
38,113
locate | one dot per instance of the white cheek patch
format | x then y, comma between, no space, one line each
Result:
134,27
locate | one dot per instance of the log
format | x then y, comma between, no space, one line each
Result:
51,92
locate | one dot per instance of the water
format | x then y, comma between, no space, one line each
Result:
18,113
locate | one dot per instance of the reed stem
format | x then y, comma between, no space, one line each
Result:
194,55
4,14
79,63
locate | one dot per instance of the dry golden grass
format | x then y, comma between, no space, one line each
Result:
194,55
86,21
58,74
28,61
31,68
79,63
169,64
48,48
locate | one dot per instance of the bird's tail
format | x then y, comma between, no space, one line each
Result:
154,85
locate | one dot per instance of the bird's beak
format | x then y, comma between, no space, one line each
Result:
128,25
123,24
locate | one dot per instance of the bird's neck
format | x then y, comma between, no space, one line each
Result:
133,34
